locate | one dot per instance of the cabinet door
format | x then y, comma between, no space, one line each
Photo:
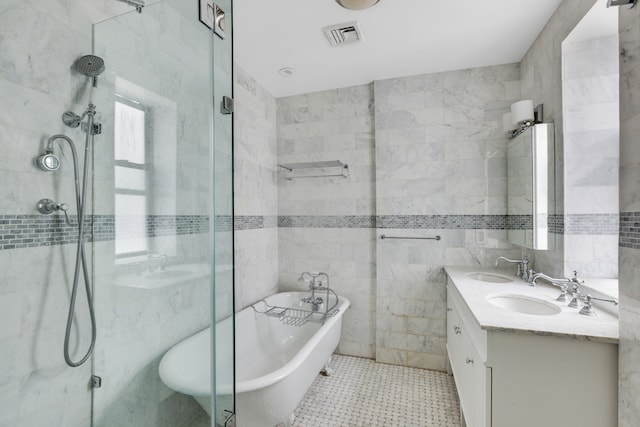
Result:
480,378
459,347
467,363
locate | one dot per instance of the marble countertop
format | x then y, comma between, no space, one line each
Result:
568,323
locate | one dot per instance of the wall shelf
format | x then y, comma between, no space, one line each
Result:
323,169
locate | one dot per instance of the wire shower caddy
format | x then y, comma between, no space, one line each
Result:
294,316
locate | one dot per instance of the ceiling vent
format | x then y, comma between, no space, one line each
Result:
340,34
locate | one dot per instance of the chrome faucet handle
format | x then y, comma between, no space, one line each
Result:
64,208
519,269
530,275
576,295
563,293
48,206
588,309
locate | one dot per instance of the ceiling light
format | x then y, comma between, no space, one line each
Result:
287,71
356,4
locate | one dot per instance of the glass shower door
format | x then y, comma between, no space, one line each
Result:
163,260
224,350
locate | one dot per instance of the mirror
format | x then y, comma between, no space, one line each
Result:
530,187
590,65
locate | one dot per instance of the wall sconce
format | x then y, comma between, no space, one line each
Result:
521,117
507,123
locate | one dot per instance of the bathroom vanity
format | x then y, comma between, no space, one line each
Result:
520,358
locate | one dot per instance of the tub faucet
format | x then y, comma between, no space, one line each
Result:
315,283
522,264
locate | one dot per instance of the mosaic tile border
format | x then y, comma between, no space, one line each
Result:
629,230
434,222
556,223
445,222
598,224
253,222
28,231
327,221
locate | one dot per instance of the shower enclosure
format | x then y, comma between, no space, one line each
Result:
162,204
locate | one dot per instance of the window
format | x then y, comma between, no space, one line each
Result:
130,178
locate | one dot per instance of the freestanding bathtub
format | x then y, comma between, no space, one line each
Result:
275,363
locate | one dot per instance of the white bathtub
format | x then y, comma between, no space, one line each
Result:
275,363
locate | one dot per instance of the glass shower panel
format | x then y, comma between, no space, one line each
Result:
223,237
154,202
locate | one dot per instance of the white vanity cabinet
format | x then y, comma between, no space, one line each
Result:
529,378
467,349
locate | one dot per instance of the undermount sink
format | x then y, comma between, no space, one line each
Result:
524,304
489,277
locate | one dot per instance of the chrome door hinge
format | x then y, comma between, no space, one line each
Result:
219,22
96,381
226,106
230,420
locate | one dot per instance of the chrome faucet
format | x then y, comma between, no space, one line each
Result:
563,284
522,265
313,279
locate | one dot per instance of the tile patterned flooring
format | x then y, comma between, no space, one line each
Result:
361,392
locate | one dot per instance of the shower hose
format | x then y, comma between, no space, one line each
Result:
81,259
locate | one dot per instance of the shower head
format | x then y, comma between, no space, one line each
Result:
89,65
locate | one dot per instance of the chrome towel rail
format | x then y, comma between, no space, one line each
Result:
410,238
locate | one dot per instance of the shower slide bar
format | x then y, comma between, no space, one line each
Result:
383,236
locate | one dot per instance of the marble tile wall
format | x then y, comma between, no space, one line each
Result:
38,43
591,154
629,361
440,151
541,78
255,191
331,125
541,81
426,156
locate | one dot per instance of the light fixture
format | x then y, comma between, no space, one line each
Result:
507,123
287,71
521,117
521,112
357,4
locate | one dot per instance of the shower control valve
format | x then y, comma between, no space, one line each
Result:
48,206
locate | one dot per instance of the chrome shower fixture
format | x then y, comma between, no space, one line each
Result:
90,66
138,4
47,207
48,162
